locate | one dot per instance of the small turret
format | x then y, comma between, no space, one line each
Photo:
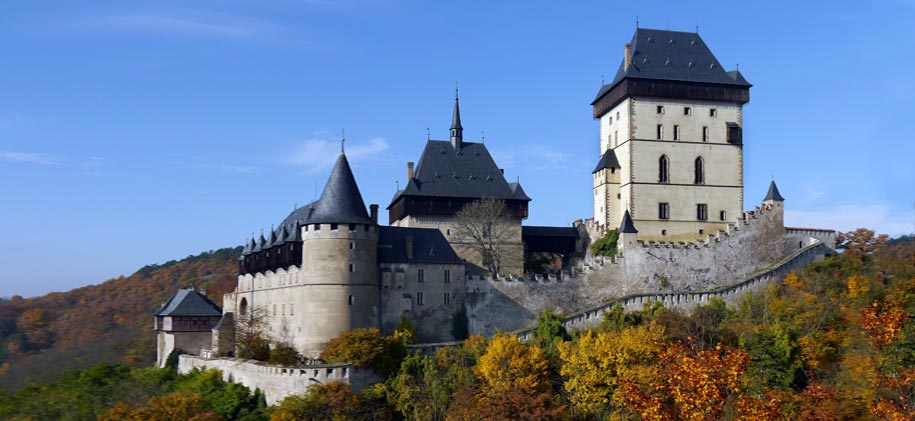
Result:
773,194
628,235
457,136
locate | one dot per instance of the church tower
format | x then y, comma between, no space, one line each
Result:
671,144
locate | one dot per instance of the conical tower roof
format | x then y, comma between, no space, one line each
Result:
773,193
627,227
341,201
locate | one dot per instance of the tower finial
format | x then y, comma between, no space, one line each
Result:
636,22
342,139
428,134
456,89
482,136
697,27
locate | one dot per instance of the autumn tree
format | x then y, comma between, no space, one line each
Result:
485,228
367,347
593,365
252,334
172,407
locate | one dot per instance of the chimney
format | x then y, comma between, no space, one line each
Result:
409,171
373,212
627,56
409,247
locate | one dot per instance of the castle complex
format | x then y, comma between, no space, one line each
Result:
669,179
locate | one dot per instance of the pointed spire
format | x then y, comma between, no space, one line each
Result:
340,201
627,227
773,193
342,140
457,130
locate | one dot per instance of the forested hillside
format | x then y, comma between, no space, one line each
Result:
42,337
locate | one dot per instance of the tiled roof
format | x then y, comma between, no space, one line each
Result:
188,302
429,246
773,193
607,160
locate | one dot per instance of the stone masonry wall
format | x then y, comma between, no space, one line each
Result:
279,382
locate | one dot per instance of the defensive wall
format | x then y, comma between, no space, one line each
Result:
757,242
279,382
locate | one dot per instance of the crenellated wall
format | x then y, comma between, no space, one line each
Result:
279,382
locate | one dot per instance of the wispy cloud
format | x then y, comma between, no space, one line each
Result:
27,158
197,23
319,153
878,217
226,168
532,157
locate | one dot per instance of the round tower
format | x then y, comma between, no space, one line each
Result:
339,265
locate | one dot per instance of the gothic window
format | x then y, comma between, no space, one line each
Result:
702,212
663,169
663,210
700,171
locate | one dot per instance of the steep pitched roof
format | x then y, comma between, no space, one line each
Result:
607,160
468,172
675,56
773,193
626,226
340,201
188,302
429,246
518,191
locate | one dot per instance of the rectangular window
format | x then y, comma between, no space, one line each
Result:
352,245
292,309
352,227
617,115
447,276
419,298
663,210
333,227
735,134
446,298
274,309
702,212
352,268
712,112
610,120
420,276
660,131
687,111
705,133
351,300
676,132
616,137
660,109
724,215
284,309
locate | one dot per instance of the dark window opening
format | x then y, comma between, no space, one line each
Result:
687,111
700,171
663,210
660,131
660,109
724,215
676,132
735,134
702,212
663,169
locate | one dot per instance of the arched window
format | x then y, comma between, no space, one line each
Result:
243,307
663,169
700,171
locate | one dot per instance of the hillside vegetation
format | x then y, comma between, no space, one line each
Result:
835,341
42,337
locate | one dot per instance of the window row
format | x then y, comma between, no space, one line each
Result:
712,112
701,212
706,135
664,170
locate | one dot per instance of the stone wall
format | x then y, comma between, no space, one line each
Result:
279,382
755,242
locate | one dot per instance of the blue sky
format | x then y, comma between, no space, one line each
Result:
138,132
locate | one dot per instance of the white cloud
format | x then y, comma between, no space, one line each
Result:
319,153
200,24
878,217
532,157
27,158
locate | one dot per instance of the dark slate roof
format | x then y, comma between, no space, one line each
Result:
773,193
429,246
672,55
518,191
341,201
535,231
456,114
627,226
188,302
608,160
469,172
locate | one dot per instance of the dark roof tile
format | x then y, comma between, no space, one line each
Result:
429,246
188,302
608,160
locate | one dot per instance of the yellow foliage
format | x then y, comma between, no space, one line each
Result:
594,363
857,286
508,364
793,281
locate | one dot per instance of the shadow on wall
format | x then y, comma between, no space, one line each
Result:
508,314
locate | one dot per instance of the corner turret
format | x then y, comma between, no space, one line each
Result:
628,235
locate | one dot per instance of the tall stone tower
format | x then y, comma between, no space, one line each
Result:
339,248
671,144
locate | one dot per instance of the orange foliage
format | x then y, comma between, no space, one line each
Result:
883,321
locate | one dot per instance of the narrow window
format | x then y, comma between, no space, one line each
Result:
663,232
616,137
700,171
676,132
351,300
448,231
663,167
723,215
660,131
712,112
447,276
701,232
702,212
352,245
419,298
446,298
660,109
352,268
705,133
687,111
274,309
292,309
617,115
610,120
420,275
663,210
284,309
